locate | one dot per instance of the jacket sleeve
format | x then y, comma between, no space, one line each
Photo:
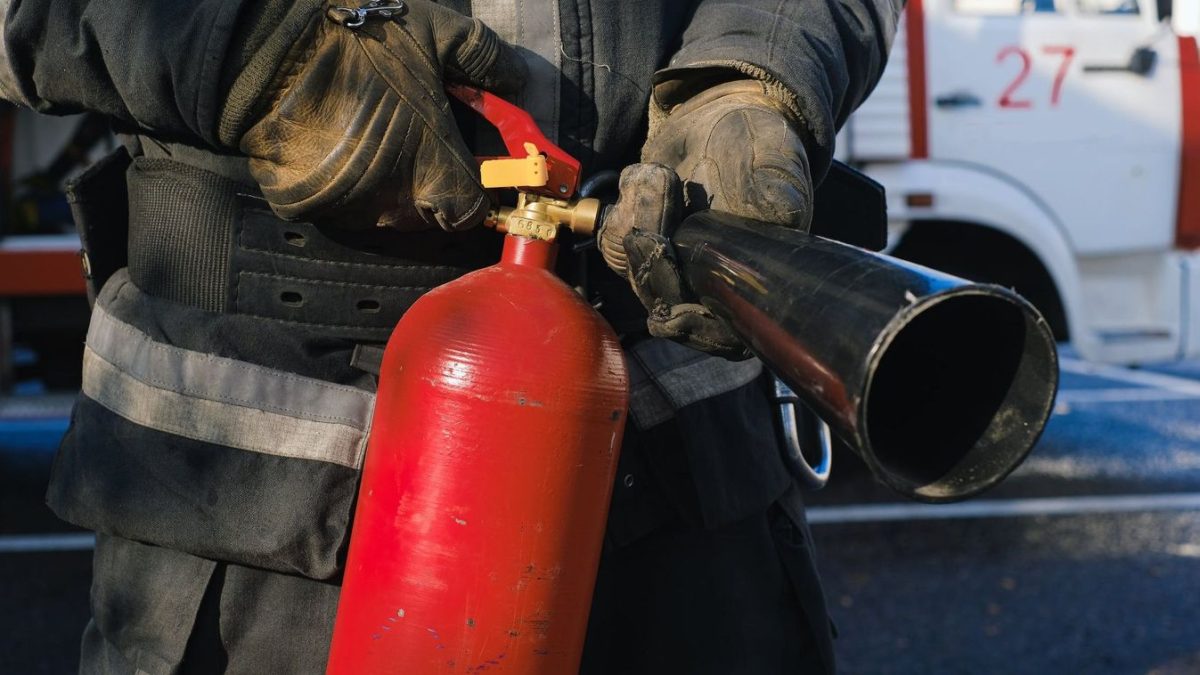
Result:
822,57
159,66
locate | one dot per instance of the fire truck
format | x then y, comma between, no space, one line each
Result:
1052,146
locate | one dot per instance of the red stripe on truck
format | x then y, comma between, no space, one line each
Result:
1187,220
914,25
41,272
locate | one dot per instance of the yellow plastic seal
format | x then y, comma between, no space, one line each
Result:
514,172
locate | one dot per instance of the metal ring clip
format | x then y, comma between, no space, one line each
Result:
353,17
796,419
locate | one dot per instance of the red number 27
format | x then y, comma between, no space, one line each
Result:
1008,96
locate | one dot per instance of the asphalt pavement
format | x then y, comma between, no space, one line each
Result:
1086,560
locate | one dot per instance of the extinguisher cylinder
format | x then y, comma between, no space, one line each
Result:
476,538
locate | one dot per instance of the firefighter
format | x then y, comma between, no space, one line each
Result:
227,381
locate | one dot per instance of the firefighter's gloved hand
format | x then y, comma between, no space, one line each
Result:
731,148
649,207
355,123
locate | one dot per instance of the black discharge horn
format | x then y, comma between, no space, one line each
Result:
941,385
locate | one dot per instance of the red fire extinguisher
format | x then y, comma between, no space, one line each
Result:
501,403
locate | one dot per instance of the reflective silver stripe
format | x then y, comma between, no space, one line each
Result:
10,88
224,380
223,401
533,27
654,400
219,423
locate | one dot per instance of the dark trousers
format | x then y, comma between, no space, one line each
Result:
727,601
682,599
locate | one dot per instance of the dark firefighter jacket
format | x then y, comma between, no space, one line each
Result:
223,413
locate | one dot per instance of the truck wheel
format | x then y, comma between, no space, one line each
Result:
986,255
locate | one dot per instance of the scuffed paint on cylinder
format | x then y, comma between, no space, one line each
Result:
485,490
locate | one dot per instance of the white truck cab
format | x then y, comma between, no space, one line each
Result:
1052,146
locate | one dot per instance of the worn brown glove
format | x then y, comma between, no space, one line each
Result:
355,123
731,148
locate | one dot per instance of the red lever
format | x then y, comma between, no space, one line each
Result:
516,127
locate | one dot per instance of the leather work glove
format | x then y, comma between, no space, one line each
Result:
731,148
355,121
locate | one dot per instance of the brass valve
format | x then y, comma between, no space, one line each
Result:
539,217
536,215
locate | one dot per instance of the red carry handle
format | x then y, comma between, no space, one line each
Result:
516,127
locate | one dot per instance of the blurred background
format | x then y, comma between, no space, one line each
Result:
1052,146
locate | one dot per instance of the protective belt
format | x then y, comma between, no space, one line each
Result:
222,414
202,240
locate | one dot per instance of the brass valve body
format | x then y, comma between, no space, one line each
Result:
539,217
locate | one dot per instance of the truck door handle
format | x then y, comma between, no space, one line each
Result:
1141,62
957,99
